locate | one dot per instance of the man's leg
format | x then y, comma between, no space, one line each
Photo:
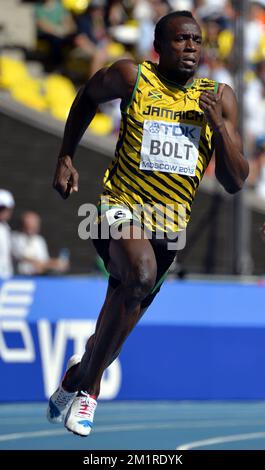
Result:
133,262
74,376
64,395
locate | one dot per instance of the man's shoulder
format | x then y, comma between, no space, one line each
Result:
124,65
121,76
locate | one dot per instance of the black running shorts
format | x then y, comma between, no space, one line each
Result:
117,215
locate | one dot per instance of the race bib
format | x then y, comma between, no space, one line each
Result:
170,147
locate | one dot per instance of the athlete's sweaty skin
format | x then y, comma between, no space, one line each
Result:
132,261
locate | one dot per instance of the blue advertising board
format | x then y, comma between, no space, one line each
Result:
198,340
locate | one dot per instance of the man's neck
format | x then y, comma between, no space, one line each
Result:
175,77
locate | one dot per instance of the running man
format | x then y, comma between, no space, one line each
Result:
171,124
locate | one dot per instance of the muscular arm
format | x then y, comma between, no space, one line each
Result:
107,84
231,168
110,83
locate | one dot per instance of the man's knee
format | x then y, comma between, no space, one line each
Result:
139,278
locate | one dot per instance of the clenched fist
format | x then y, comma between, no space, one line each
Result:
211,104
66,177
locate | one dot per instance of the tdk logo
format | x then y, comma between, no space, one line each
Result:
154,128
174,130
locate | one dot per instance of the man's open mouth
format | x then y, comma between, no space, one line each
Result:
189,60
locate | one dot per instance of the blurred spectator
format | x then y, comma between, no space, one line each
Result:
255,108
30,249
218,38
6,208
254,30
115,13
215,69
260,169
257,168
92,38
148,13
181,5
55,26
212,7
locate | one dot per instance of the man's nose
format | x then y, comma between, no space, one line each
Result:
190,45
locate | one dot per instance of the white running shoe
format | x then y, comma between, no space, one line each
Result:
60,400
80,416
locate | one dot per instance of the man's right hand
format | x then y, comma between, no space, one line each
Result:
66,177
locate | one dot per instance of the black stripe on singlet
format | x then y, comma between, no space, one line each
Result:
191,180
134,138
181,183
205,145
178,183
146,200
119,189
164,182
146,79
134,191
136,129
127,142
138,123
149,183
118,146
124,129
168,176
131,188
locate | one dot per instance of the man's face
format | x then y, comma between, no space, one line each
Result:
180,49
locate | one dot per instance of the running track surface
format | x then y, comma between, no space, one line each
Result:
141,425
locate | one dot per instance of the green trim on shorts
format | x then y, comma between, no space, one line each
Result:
159,282
107,206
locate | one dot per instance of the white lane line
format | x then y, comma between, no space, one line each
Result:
99,429
131,427
25,435
179,423
113,428
221,440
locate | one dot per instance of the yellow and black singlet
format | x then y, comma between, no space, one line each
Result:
163,150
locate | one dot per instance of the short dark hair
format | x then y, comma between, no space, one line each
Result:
163,22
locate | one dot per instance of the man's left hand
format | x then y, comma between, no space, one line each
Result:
211,104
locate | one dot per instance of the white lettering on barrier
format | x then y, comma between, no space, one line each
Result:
52,352
23,354
16,298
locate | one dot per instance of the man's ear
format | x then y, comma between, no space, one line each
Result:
157,46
